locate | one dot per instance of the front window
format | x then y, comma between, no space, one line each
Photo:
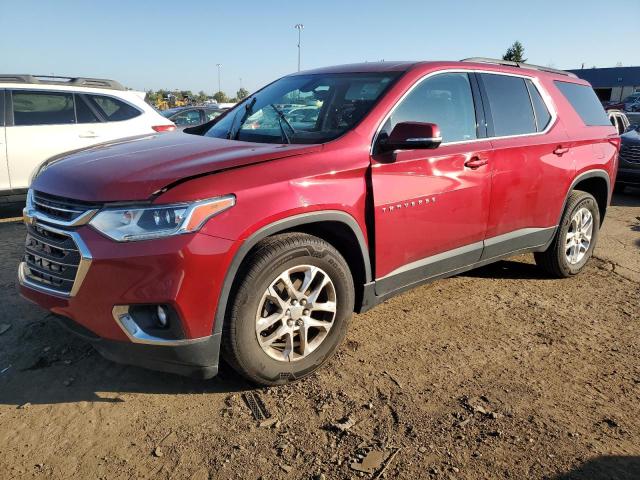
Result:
304,108
445,99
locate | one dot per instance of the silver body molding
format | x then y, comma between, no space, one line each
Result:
136,335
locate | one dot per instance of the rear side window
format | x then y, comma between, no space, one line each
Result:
84,114
543,117
585,102
42,108
112,109
509,104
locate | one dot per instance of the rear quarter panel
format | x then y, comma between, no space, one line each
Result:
592,147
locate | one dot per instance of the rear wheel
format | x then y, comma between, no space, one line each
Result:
291,309
575,238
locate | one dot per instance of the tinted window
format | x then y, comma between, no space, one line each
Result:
445,100
42,108
112,109
189,117
585,102
510,105
83,112
1,108
211,114
543,117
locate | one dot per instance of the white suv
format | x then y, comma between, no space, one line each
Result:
41,117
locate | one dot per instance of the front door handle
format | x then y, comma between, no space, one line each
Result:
475,162
560,150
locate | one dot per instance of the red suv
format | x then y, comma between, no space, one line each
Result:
257,235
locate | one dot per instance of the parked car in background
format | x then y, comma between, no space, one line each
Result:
628,104
41,117
185,117
251,237
619,120
629,159
304,118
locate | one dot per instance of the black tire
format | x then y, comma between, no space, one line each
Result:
554,260
271,257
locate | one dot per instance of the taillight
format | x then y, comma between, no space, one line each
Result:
164,128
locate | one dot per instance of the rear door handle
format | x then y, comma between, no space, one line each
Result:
475,162
560,150
88,135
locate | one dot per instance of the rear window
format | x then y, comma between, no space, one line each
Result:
510,105
585,102
42,108
112,109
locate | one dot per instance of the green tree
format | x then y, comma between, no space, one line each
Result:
220,97
201,97
515,53
242,93
152,97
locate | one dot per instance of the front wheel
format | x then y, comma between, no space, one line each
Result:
575,237
291,309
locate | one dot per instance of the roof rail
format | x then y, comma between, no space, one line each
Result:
66,81
508,63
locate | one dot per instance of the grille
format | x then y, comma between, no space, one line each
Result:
59,208
630,153
51,259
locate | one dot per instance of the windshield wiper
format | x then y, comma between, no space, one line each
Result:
281,117
231,135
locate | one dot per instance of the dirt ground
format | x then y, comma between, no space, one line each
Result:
498,373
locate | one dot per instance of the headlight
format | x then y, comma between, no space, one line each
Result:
143,223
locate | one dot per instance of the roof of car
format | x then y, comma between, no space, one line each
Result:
403,66
61,81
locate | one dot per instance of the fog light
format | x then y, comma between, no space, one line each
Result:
161,313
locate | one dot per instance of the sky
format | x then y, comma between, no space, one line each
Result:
176,45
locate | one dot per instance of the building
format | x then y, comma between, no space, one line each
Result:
611,84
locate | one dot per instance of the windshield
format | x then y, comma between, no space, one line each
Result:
304,108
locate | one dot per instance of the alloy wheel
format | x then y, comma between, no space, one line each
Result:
578,238
296,313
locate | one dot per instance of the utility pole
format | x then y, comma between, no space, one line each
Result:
219,65
299,27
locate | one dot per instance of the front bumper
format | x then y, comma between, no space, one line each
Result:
184,271
196,359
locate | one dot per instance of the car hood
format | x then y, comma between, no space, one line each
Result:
136,168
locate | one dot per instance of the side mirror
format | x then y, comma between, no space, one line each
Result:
412,135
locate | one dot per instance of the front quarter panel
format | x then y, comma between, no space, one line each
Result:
271,191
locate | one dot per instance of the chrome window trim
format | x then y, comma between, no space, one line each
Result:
546,98
137,335
29,213
81,272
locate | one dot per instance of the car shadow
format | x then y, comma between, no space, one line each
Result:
53,366
510,270
610,467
